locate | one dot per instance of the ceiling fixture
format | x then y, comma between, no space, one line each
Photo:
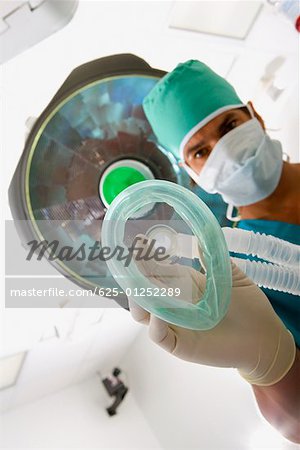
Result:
25,23
230,19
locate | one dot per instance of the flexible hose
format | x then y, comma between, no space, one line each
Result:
264,246
283,277
269,276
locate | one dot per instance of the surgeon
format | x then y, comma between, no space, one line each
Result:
222,144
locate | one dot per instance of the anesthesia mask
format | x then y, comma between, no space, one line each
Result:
200,230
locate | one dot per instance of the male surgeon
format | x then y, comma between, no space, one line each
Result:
222,143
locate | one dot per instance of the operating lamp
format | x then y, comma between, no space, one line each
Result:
90,143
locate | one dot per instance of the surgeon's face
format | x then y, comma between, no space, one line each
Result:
201,144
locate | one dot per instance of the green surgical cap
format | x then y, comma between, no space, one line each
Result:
185,100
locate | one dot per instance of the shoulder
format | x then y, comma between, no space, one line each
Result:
287,231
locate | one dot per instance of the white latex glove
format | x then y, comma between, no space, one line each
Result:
251,337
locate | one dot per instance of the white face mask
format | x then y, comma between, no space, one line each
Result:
244,166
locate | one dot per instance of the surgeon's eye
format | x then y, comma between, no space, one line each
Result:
231,125
201,153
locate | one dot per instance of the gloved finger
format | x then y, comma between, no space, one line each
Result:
144,259
162,274
138,314
166,274
198,283
189,281
144,255
239,278
162,334
150,269
142,247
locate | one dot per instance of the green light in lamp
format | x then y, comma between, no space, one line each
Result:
118,176
118,180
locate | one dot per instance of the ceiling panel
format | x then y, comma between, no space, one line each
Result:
231,18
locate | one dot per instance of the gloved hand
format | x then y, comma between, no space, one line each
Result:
251,337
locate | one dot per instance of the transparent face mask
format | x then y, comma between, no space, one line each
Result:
168,254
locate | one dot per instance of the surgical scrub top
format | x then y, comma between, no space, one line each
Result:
287,306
